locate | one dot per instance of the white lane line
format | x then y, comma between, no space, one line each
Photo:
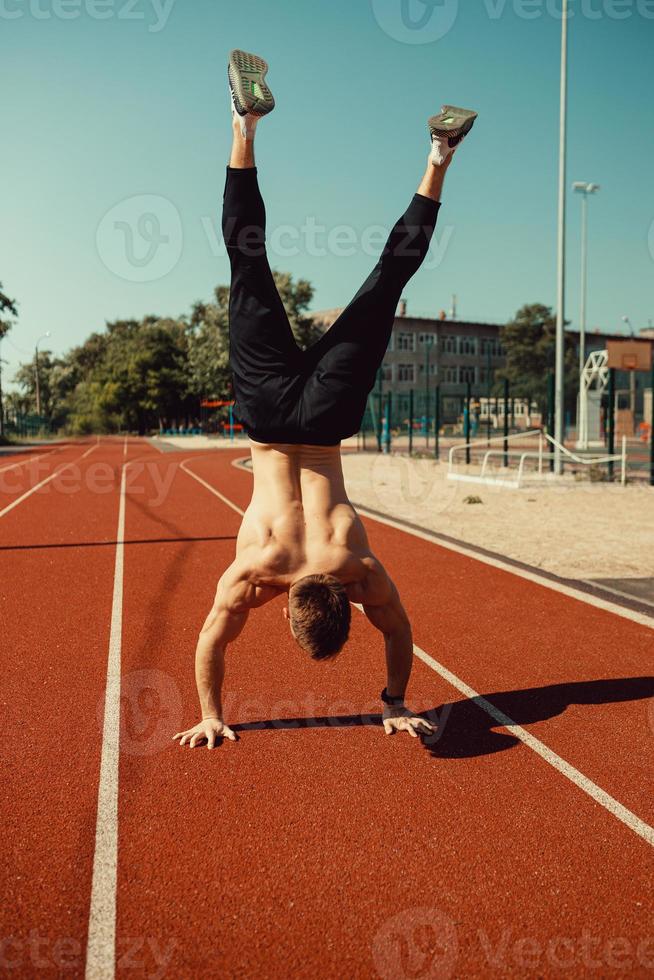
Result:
23,462
28,493
101,945
582,782
208,486
620,812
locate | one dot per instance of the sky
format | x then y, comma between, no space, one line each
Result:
116,131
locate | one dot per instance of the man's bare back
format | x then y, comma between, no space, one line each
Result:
300,522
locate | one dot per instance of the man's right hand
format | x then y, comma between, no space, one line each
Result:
209,729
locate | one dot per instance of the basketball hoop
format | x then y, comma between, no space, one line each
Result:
629,355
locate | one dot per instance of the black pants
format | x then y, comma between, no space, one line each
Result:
317,396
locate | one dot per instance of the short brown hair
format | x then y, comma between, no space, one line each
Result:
319,611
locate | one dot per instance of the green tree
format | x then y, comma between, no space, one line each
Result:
25,378
529,342
296,297
208,347
7,312
145,374
140,380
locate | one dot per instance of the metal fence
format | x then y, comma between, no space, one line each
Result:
416,420
25,426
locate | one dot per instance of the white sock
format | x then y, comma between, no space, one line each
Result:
441,150
247,123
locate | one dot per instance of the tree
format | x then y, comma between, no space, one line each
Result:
136,379
296,297
529,342
25,377
143,374
7,311
208,332
208,347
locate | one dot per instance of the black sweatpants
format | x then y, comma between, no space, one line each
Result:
317,396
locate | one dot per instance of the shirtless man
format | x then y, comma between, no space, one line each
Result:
300,534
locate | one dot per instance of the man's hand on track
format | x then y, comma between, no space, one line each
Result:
209,730
403,720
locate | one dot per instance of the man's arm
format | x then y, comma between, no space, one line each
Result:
388,615
235,596
385,611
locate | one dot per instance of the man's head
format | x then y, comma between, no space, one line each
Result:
319,614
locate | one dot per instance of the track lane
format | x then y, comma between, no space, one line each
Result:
19,483
55,602
12,461
288,852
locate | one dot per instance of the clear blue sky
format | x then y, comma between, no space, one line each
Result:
102,111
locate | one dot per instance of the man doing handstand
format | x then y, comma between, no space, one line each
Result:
300,534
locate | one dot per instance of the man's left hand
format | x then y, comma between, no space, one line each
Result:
403,720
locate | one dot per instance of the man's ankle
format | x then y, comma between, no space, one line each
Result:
244,127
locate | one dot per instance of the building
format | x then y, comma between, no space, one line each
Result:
426,351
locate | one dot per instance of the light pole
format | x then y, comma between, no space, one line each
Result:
36,371
585,189
559,363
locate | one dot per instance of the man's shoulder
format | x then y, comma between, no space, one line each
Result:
245,587
372,586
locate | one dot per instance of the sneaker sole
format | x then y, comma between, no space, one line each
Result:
246,73
452,122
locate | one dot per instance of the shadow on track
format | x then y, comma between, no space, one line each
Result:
320,721
464,728
104,544
469,731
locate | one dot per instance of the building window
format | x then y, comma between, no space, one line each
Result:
450,409
406,372
490,346
433,369
427,339
406,342
468,345
467,375
449,345
387,372
402,404
391,343
451,375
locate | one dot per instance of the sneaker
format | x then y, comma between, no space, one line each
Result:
250,94
448,129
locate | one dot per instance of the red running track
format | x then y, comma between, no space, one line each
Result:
315,846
